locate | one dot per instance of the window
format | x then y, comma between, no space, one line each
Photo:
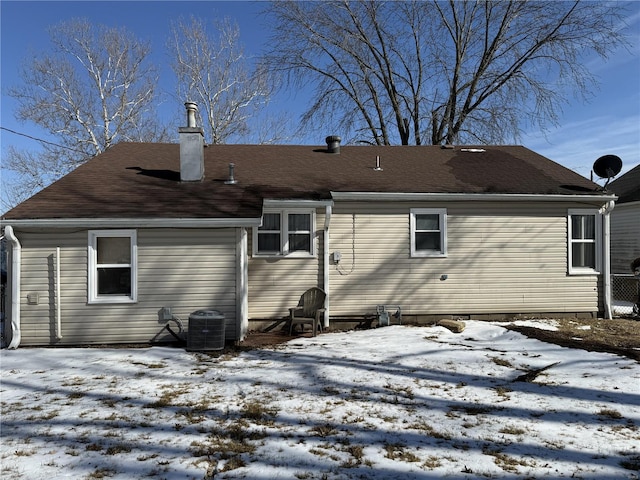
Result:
428,232
285,232
112,266
584,241
269,237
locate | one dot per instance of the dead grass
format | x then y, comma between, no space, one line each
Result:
610,413
323,431
258,412
397,451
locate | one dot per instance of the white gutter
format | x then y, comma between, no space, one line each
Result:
450,197
16,260
295,203
606,246
58,299
325,259
138,222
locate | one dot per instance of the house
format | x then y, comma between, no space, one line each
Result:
625,221
488,232
625,240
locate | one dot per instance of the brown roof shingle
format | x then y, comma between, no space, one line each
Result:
142,180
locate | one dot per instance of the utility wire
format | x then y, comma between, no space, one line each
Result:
41,140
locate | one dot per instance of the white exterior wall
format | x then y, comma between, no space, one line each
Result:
185,269
625,236
501,259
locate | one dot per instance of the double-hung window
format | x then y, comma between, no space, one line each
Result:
112,275
285,233
428,232
584,233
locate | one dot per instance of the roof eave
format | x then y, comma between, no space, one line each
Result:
134,222
453,197
295,203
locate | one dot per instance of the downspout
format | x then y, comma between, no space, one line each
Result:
325,259
16,261
242,280
606,247
58,299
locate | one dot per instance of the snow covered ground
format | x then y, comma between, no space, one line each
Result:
397,402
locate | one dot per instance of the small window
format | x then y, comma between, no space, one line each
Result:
269,237
285,232
584,241
428,232
112,266
299,232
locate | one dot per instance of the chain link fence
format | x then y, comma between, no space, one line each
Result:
625,289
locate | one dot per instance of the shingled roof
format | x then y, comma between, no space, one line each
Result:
142,180
627,186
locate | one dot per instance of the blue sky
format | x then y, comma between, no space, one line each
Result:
608,124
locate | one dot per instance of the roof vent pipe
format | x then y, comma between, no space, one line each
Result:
192,108
232,180
333,143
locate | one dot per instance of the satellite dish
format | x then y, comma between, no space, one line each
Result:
607,166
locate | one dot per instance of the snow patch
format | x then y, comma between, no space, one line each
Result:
393,402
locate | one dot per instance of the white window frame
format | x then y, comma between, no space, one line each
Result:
92,274
442,214
597,241
284,235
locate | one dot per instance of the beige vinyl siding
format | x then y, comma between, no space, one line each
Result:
625,236
276,284
502,258
38,322
184,269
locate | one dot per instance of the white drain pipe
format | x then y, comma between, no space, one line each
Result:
58,299
606,271
16,262
325,265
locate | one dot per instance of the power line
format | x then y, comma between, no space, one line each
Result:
41,140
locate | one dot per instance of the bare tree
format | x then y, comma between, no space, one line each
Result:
213,71
95,88
31,172
440,71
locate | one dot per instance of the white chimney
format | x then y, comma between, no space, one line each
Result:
191,147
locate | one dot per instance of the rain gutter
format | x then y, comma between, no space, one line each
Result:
136,222
452,197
